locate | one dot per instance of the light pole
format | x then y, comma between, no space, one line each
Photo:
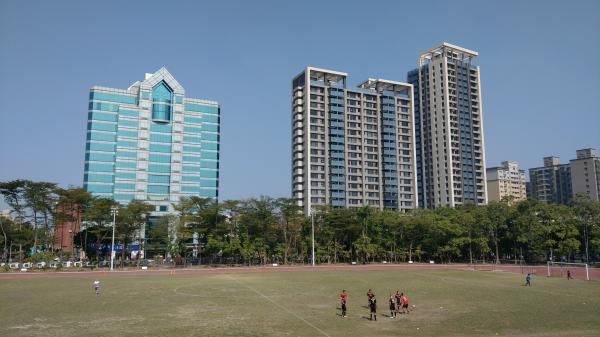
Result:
312,220
113,211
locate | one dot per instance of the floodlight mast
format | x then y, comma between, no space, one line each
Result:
113,211
312,220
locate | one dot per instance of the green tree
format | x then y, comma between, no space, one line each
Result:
8,228
291,220
131,219
587,213
14,195
71,204
98,220
196,215
39,199
158,237
261,224
495,222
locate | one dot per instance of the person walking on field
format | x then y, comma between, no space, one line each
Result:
528,280
343,299
97,287
404,301
373,308
568,274
392,306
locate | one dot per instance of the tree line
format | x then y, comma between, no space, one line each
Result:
274,230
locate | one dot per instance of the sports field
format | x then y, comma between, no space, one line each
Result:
297,302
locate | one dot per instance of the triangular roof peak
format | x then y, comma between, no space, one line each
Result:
162,75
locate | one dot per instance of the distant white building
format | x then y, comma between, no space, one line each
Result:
506,180
585,173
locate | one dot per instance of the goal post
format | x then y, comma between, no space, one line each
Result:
483,265
561,269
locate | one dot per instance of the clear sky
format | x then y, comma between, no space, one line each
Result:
540,72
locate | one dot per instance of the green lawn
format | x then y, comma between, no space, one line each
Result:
448,303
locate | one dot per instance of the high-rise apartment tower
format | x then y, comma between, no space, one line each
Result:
449,128
352,147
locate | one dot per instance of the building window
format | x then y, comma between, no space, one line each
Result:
161,102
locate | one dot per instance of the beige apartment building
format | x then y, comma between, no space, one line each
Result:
585,173
352,146
506,180
450,149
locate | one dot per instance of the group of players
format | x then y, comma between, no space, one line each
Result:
398,304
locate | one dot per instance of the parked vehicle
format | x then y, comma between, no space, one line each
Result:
147,263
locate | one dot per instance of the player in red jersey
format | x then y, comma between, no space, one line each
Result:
370,295
343,300
404,300
398,301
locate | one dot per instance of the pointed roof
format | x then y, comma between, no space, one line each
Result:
162,75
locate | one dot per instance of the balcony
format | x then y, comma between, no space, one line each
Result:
327,84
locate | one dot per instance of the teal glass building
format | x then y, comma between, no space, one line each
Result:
150,142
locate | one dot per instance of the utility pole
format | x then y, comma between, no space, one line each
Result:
113,211
312,220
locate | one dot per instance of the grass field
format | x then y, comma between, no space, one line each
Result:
298,303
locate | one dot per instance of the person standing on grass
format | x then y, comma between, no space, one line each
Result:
392,306
528,280
404,301
97,287
373,307
343,299
398,301
370,295
568,274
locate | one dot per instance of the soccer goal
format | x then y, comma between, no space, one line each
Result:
561,269
483,265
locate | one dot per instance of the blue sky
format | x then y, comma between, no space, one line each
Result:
539,70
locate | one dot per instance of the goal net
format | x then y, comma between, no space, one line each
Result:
513,266
483,265
565,269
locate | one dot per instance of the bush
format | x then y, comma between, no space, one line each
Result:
42,256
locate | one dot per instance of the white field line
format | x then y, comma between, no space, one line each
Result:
279,306
176,290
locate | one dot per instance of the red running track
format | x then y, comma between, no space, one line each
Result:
577,272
